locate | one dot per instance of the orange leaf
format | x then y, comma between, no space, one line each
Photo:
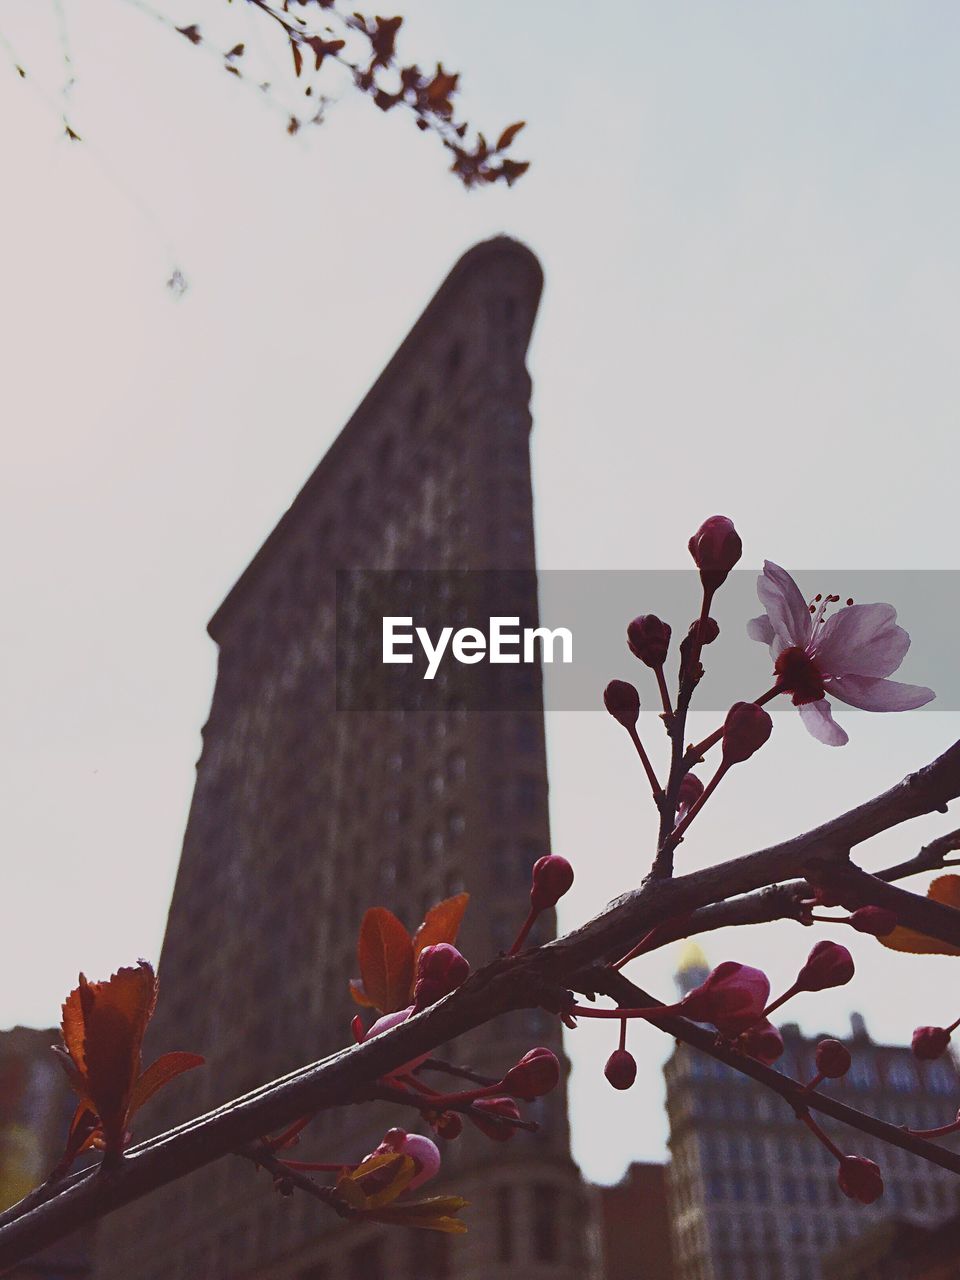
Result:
115,1017
945,889
166,1068
442,923
509,134
377,1181
385,954
432,1214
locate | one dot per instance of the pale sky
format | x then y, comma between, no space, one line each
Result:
749,221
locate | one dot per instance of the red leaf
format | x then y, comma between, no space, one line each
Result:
441,924
115,1017
297,56
385,953
509,134
166,1068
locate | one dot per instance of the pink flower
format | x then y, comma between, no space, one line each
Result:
732,998
849,655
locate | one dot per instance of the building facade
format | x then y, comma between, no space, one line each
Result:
305,814
754,1194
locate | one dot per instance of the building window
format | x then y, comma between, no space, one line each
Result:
545,1223
504,1224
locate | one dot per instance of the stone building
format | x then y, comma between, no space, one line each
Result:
754,1194
305,814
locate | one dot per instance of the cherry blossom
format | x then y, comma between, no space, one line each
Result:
849,655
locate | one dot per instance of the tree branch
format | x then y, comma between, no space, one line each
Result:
531,979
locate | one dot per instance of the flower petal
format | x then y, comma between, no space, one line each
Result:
786,608
861,640
761,629
879,695
818,719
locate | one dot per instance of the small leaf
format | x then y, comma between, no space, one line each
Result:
435,1213
293,126
236,51
441,924
351,1184
385,953
297,56
192,33
509,134
166,1068
946,890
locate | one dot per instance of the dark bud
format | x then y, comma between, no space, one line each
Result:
485,1112
621,1069
860,1179
649,639
440,969
552,877
705,633
930,1042
716,548
832,1059
623,702
876,920
828,965
745,730
537,1073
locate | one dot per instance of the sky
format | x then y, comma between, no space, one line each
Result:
748,220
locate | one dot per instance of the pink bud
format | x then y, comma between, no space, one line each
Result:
621,1069
423,1153
623,702
876,920
387,1023
732,998
537,1073
495,1107
552,877
930,1042
745,730
860,1179
828,965
691,789
833,1059
716,548
762,1041
649,639
440,969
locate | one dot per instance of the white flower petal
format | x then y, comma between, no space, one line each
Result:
818,719
879,695
786,608
761,629
861,640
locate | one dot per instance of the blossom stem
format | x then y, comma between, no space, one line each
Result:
310,1166
286,1138
819,1134
790,991
812,1084
701,748
645,761
677,833
654,938
664,692
587,1011
942,1132
623,1035
524,930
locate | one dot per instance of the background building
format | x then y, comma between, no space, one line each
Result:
631,1221
754,1194
305,815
